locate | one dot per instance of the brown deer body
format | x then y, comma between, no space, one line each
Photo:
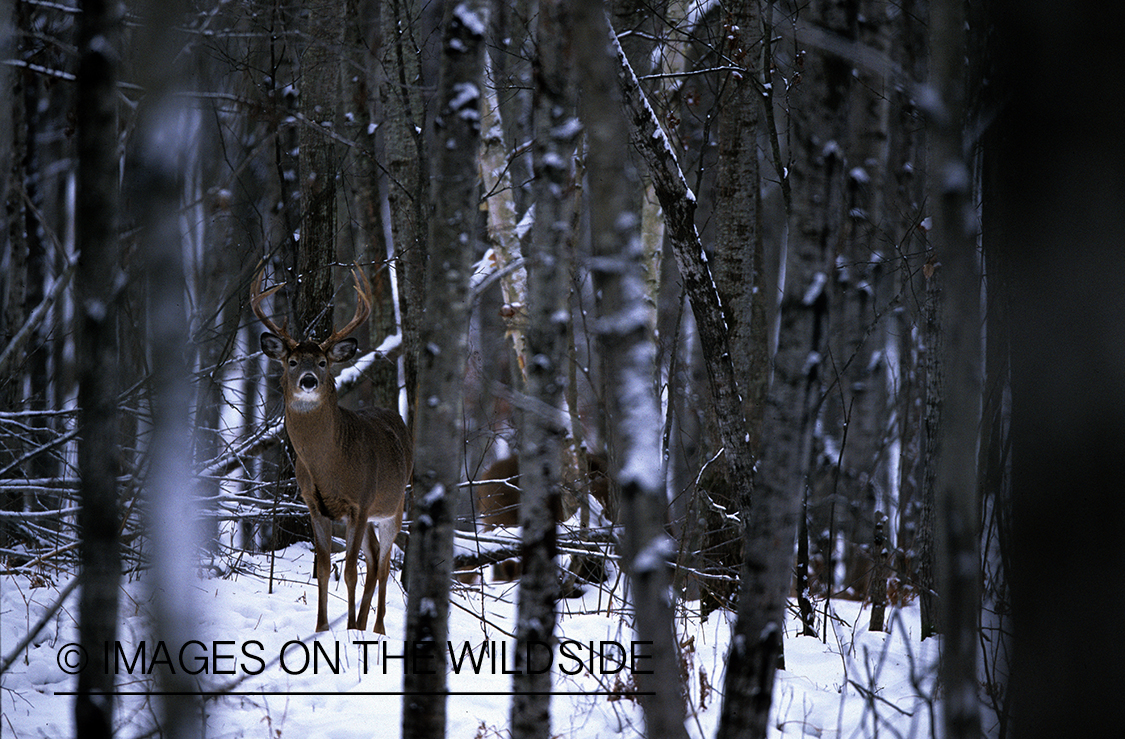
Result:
498,501
351,466
498,498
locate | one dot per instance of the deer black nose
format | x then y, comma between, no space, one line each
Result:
308,382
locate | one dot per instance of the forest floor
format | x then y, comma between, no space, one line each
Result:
282,682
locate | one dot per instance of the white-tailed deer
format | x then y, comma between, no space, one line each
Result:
350,465
498,496
498,500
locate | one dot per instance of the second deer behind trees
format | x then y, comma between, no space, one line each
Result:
351,465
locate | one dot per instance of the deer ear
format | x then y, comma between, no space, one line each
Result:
343,350
273,346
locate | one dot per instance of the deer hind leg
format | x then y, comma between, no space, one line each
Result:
370,554
380,539
322,564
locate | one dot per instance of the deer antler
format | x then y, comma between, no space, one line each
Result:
256,298
362,308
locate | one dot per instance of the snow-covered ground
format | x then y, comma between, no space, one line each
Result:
286,683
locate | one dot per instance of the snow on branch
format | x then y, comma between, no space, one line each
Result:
678,203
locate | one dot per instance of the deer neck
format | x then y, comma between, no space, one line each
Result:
312,428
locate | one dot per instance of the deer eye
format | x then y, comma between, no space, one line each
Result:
292,363
323,363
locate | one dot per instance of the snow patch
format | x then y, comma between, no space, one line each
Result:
814,696
466,101
474,21
437,492
551,160
568,130
655,555
815,289
525,224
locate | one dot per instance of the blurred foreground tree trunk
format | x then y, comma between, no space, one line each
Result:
625,340
160,154
955,483
97,287
756,642
1063,159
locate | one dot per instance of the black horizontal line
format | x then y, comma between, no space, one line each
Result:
507,693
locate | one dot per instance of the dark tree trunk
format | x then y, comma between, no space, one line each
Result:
361,38
739,268
994,474
739,279
933,379
16,132
542,435
97,283
1062,159
438,459
905,184
407,174
956,490
878,592
320,158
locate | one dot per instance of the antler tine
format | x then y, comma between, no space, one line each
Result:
256,298
362,308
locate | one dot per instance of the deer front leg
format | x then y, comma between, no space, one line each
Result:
322,548
351,575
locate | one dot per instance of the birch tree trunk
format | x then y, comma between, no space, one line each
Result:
543,434
503,227
437,464
628,352
96,286
511,72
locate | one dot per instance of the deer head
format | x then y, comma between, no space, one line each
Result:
306,380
